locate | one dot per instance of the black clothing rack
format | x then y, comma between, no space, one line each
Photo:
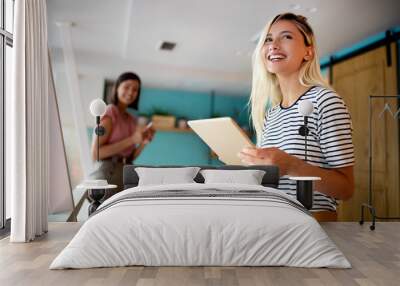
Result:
369,205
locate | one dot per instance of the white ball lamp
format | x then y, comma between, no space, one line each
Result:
97,109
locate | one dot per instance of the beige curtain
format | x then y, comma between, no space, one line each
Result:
29,122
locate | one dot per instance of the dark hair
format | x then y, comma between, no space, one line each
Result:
300,20
123,77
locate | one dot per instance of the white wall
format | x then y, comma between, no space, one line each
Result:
60,196
90,87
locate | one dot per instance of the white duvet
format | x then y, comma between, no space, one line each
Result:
183,231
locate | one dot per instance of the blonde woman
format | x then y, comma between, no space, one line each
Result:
285,72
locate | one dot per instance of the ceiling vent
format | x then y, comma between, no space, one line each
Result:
167,46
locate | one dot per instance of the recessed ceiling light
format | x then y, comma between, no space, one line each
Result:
295,6
312,10
65,24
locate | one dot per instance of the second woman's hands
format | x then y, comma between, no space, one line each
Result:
136,137
148,134
268,156
142,135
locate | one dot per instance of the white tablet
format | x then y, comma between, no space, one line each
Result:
224,137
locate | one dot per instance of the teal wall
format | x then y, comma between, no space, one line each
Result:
186,148
175,148
235,107
191,105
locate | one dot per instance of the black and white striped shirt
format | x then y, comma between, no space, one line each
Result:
329,143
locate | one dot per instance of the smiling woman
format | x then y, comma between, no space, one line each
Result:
123,139
293,52
286,72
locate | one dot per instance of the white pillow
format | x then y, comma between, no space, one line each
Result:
248,177
165,176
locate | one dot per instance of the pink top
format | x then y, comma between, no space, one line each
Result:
123,126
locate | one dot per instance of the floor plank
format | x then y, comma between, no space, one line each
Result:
374,255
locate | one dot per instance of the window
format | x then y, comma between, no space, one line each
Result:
9,16
6,43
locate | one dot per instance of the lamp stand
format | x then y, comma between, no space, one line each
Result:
100,131
304,188
303,131
96,196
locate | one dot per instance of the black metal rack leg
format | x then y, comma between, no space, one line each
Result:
362,215
372,212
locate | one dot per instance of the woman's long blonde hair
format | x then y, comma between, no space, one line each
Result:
265,91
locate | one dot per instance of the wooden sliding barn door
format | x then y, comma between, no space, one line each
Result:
355,79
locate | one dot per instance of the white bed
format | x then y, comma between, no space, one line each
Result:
249,226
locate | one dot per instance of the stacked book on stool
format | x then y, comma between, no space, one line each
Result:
96,191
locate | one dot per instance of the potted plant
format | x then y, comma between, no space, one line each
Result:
182,123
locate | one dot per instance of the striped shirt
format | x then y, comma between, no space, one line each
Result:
329,142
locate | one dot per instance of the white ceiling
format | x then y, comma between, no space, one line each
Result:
213,36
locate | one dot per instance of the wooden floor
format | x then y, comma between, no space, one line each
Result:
375,256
